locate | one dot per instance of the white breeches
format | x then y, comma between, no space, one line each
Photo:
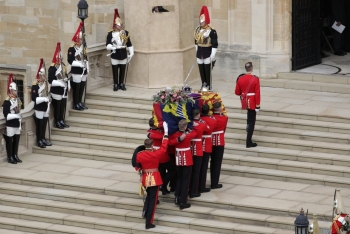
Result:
56,96
10,131
116,62
205,61
79,78
41,114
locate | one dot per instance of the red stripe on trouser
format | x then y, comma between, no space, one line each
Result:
155,205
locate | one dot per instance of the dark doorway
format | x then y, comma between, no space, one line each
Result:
306,33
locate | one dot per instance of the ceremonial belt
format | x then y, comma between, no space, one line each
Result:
183,149
145,171
196,140
218,132
250,94
204,45
156,147
206,136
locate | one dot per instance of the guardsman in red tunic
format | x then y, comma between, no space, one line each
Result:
340,223
207,147
147,163
218,141
197,151
166,167
248,88
184,161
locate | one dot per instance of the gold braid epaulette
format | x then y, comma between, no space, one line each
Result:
35,82
7,98
124,36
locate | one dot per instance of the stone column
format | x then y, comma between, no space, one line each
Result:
163,43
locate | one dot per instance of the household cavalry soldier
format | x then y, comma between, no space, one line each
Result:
59,87
79,68
41,101
117,41
11,110
206,42
340,223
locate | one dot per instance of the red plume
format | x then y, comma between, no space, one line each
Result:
40,66
76,38
116,15
56,57
10,80
205,11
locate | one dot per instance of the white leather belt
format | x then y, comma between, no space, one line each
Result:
196,140
156,147
250,94
183,149
218,132
206,136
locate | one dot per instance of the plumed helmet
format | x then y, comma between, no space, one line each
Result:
117,20
204,15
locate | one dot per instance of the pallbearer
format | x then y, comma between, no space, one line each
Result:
206,42
11,110
79,68
41,101
117,41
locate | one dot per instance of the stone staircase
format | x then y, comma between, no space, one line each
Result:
85,183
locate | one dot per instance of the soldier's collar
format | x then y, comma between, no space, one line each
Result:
12,96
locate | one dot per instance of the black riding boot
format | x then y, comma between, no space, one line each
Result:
9,149
81,92
15,147
115,77
122,76
63,113
56,111
76,92
207,69
202,74
45,122
39,131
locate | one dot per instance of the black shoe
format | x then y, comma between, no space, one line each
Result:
47,143
122,87
116,87
184,206
17,158
195,195
77,107
148,226
41,144
251,145
11,160
58,125
164,190
340,53
64,124
82,106
205,190
143,214
177,201
216,186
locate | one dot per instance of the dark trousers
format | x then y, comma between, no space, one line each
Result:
183,182
251,117
173,180
120,74
215,164
338,40
149,207
167,171
203,171
196,168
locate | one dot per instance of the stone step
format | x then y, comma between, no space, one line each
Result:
239,128
122,223
333,79
306,85
104,206
6,231
267,191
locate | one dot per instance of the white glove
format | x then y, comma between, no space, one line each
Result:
19,116
257,110
12,116
39,100
213,53
131,53
165,126
110,47
68,86
87,67
77,64
196,47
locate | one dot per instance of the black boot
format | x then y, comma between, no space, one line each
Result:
56,110
202,73
39,130
15,148
184,206
148,226
122,76
81,92
207,69
115,77
46,121
76,93
63,113
164,190
9,149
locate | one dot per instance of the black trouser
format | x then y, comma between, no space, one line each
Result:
203,171
121,75
215,164
338,40
150,204
167,171
174,179
251,117
183,182
196,168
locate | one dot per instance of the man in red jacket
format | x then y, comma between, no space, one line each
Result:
207,147
184,161
218,141
147,163
248,88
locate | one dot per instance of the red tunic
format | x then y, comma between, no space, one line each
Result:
183,152
253,93
218,135
337,224
196,143
211,122
149,160
157,135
